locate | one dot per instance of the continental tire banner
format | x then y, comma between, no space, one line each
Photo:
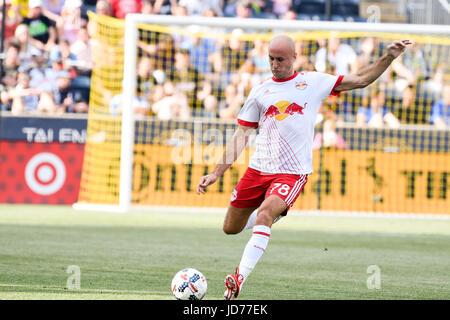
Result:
350,180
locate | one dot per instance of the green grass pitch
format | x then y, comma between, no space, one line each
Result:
135,255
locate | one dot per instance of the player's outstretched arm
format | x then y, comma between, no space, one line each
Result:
232,151
369,74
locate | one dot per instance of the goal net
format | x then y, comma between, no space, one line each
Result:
166,91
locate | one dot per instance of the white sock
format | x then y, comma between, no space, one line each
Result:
254,250
251,220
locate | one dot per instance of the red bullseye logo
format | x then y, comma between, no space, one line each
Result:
45,173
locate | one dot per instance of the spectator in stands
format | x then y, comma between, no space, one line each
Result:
336,58
12,20
8,82
21,6
44,76
410,69
22,38
163,6
230,57
303,63
64,98
186,78
211,13
404,76
367,52
211,30
329,138
416,62
229,8
160,48
320,116
159,77
38,71
438,72
157,93
245,79
208,100
147,7
82,50
145,80
103,7
179,11
24,98
280,7
214,9
61,52
264,9
230,106
173,104
343,110
408,112
289,15
210,107
240,9
249,9
197,7
42,29
53,6
70,21
260,60
440,113
120,8
141,106
200,49
180,39
11,66
376,114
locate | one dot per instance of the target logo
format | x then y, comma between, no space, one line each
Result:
45,173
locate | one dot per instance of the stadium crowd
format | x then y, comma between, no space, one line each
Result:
47,65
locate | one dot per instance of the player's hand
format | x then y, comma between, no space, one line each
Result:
397,47
206,181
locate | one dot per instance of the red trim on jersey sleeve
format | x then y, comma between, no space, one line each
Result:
285,79
338,82
247,123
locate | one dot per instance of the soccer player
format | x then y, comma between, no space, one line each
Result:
284,108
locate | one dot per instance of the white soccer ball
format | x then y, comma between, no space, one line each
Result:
189,284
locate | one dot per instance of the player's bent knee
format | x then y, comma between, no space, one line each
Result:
264,217
236,219
231,230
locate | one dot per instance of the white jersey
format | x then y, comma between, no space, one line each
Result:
285,111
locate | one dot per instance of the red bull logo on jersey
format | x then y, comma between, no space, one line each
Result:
283,109
301,85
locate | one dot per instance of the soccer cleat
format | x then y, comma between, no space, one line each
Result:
233,284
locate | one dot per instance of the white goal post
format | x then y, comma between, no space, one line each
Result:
129,76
